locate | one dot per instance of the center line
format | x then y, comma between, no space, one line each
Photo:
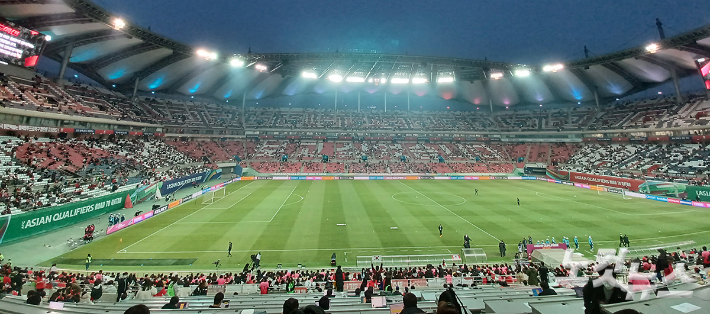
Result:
444,207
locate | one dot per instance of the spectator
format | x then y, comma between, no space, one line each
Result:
410,304
218,298
546,290
137,309
172,305
289,306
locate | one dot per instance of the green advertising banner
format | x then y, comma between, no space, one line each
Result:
695,192
15,227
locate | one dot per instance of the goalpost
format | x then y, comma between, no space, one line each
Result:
611,189
213,196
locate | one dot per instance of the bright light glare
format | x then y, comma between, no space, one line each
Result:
335,78
260,67
397,80
701,60
356,79
206,54
522,72
118,23
445,79
236,62
47,38
419,80
553,67
309,75
652,48
497,75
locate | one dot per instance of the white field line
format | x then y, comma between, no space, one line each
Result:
455,214
282,204
369,249
203,207
552,197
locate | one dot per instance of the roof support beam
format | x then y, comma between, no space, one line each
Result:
123,54
623,73
42,21
84,39
696,49
189,76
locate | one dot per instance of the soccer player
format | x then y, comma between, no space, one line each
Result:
476,191
591,244
441,231
518,202
530,239
229,251
576,243
626,241
553,240
466,238
621,240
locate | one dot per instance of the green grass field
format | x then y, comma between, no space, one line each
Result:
293,222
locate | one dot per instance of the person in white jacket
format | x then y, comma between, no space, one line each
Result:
184,291
147,291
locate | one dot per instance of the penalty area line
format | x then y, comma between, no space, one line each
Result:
181,219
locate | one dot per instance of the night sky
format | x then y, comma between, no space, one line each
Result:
502,30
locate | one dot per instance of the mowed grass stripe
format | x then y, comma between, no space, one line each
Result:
274,235
306,227
415,222
376,206
516,224
359,226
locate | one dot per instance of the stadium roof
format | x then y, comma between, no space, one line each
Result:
120,56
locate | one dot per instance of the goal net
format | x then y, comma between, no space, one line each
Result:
610,189
213,196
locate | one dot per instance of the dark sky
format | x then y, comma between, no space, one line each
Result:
522,31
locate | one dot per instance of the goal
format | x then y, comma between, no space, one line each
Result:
611,189
212,196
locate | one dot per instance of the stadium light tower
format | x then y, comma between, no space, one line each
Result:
337,78
118,23
444,79
309,75
553,67
496,75
419,80
206,54
652,48
260,67
236,62
522,72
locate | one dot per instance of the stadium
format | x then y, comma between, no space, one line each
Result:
136,169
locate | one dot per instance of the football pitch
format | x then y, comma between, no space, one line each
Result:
305,222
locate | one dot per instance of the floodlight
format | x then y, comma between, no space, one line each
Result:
309,75
370,80
356,79
335,78
496,75
445,79
701,60
118,23
419,80
398,80
652,48
522,72
47,38
206,54
260,67
553,67
236,62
